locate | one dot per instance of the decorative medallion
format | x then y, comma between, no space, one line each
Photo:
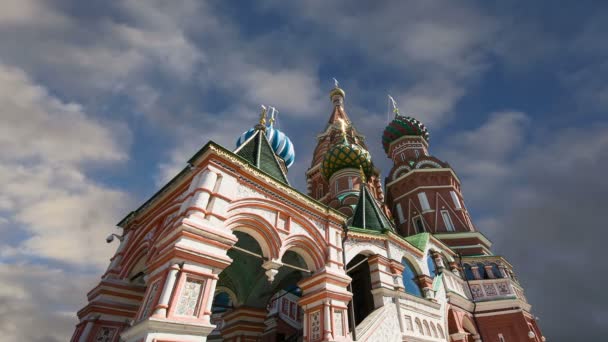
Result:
315,325
338,323
105,334
188,302
150,300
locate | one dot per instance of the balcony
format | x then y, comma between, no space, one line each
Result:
484,289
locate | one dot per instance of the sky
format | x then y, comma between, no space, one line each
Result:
102,102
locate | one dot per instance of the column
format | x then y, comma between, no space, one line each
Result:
325,297
86,332
475,270
426,284
163,301
490,272
455,269
438,261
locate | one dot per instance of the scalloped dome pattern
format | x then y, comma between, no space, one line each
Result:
346,155
280,143
402,126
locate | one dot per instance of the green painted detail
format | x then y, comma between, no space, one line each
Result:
346,155
346,194
437,282
258,152
364,231
419,240
368,214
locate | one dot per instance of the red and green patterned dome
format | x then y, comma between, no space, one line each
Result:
402,126
346,155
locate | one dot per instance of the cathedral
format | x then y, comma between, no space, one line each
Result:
228,250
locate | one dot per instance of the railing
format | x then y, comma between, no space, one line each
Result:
456,284
492,289
285,304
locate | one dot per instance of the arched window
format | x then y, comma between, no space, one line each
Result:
221,302
430,261
440,331
433,330
419,326
468,272
496,271
482,271
409,279
427,331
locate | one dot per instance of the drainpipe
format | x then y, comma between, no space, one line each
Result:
474,302
351,311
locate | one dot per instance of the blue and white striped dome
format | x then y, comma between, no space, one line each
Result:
280,143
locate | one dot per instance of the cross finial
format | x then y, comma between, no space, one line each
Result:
394,103
273,114
263,116
336,83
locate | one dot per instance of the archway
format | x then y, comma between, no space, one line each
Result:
361,287
469,327
253,301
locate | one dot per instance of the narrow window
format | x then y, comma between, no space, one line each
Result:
501,338
402,156
410,280
456,200
449,226
424,201
400,213
319,191
350,183
418,224
337,187
417,153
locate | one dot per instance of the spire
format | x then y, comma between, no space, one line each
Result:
394,103
337,96
368,214
258,152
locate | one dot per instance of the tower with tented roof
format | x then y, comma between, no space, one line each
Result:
334,175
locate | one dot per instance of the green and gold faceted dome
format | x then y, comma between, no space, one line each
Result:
346,155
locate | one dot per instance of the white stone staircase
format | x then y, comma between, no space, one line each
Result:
380,325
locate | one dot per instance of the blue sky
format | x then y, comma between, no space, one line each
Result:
102,103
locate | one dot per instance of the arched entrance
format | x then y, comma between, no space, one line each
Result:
361,287
253,302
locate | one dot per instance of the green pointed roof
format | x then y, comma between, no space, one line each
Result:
419,240
368,214
258,152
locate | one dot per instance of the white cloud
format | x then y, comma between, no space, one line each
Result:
36,296
44,145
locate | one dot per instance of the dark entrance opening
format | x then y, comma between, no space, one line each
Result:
361,287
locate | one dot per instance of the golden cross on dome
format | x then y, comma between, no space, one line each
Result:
336,83
273,113
394,103
263,116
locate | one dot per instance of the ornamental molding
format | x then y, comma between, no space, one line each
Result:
283,189
428,162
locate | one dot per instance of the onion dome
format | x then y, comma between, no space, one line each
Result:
280,143
346,155
403,126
